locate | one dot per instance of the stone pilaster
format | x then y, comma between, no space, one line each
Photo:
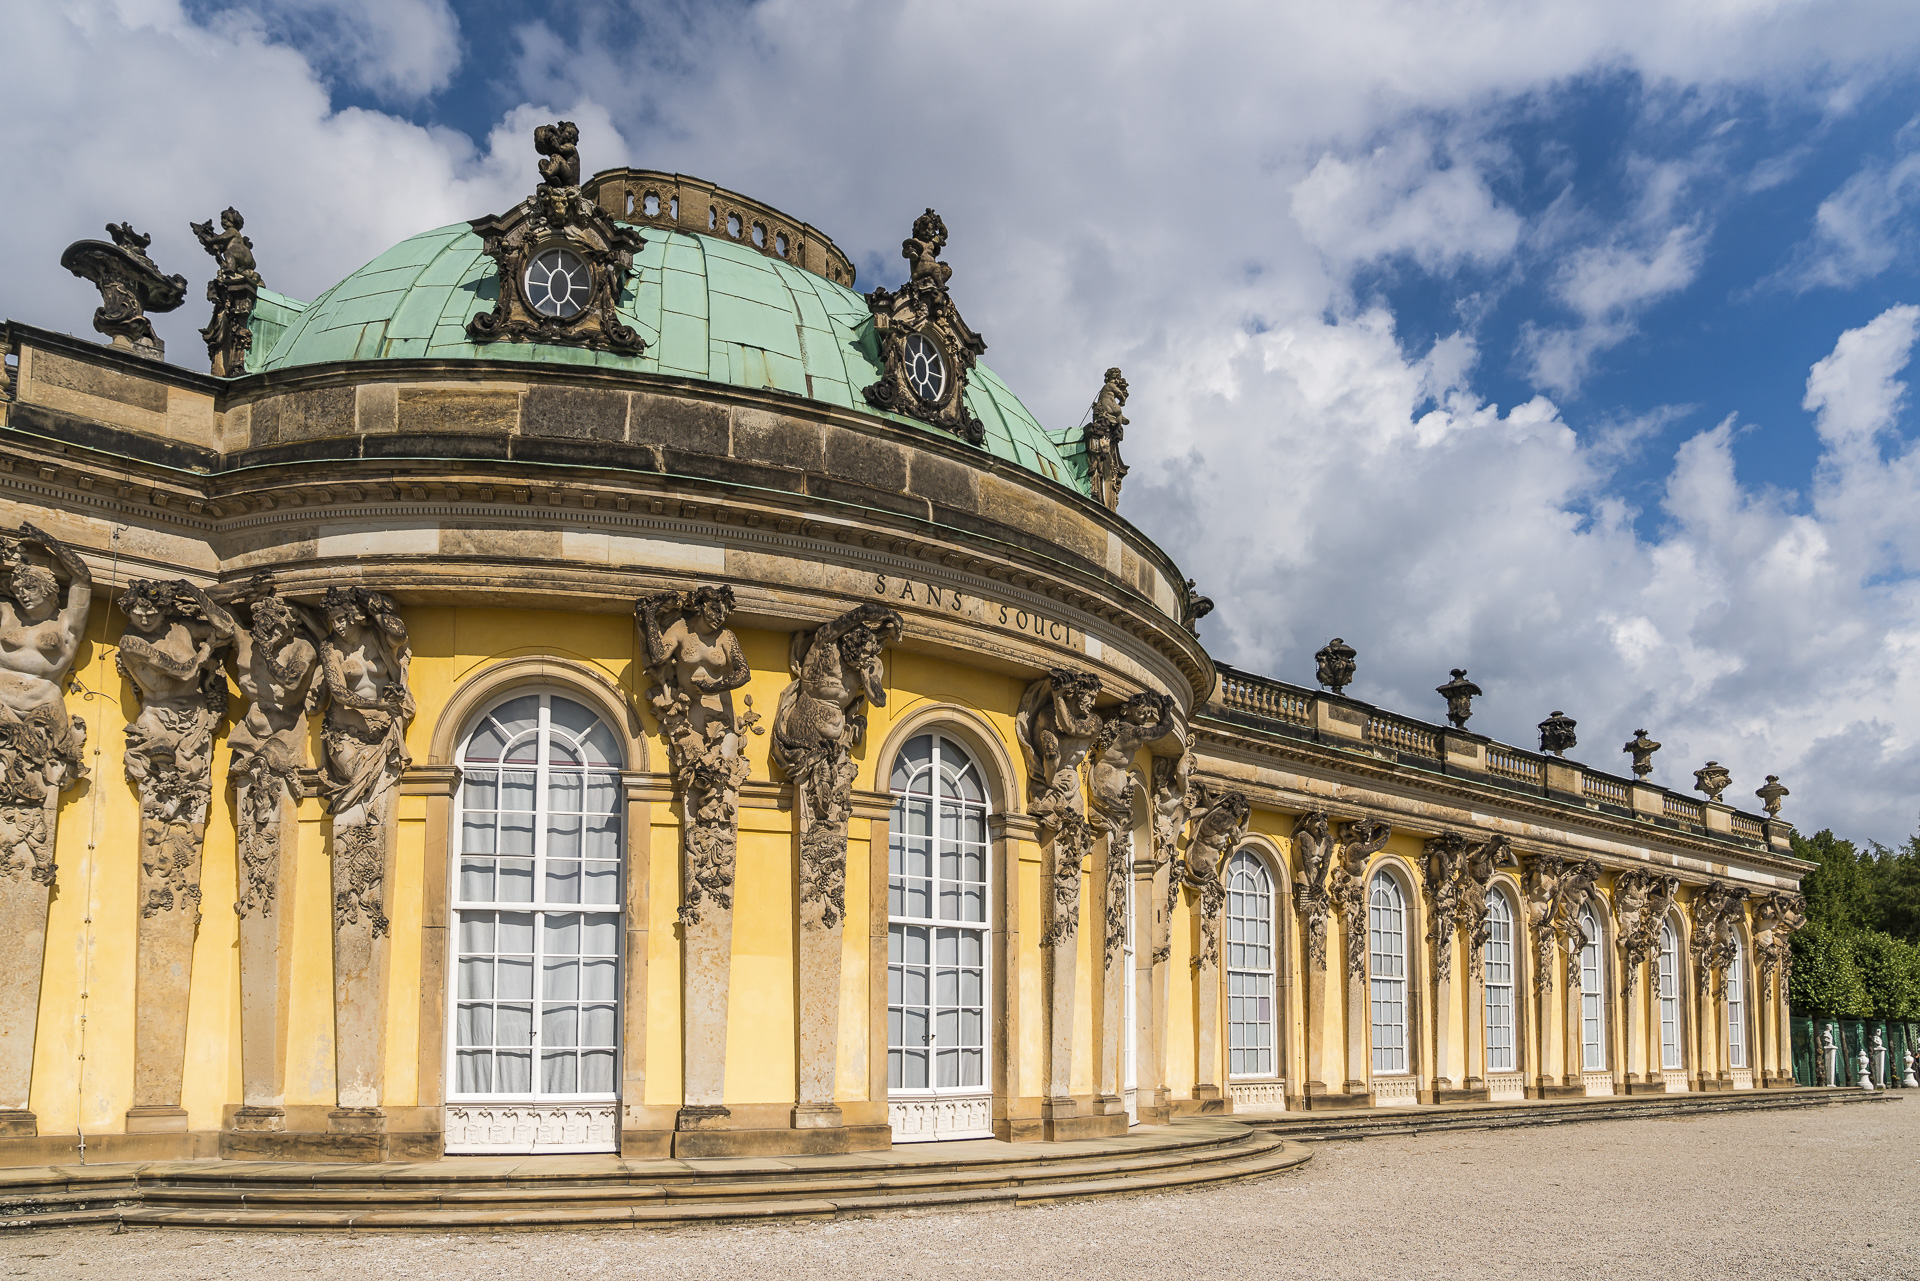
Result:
268,832
26,891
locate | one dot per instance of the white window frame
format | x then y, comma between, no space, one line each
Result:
1668,980
538,907
1593,996
983,929
1737,1006
1252,977
1387,975
1497,959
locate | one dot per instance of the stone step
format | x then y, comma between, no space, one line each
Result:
1368,1122
809,1188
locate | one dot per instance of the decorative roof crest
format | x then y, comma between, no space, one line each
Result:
926,351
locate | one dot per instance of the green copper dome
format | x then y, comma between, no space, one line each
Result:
707,308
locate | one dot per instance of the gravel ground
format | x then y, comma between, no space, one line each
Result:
1828,1192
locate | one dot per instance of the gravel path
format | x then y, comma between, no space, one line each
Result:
1817,1193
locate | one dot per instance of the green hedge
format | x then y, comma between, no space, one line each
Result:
1854,973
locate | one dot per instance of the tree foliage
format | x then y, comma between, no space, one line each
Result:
1859,955
1825,979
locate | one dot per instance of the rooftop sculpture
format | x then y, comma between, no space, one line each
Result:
130,286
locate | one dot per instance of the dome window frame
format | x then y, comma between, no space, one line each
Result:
579,276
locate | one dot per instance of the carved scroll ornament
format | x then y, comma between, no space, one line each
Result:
820,719
130,286
564,262
40,744
927,352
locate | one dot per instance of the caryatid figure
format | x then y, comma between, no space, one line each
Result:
275,660
40,744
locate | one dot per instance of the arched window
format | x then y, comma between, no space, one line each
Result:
937,934
536,908
1737,1006
1249,966
1669,996
1497,958
1593,1009
1387,953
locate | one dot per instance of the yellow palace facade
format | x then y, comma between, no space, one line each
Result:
593,682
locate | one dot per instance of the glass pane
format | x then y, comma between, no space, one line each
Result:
598,980
513,1025
513,1072
473,1025
516,881
519,715
597,1025
516,790
482,789
516,931
478,834
599,934
563,881
599,748
563,934
476,880
596,1072
473,1072
485,743
476,980
915,756
559,1073
565,790
563,837
602,883
559,1025
567,715
476,931
560,981
603,794
516,834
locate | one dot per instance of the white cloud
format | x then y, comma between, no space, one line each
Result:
1404,197
1184,191
1858,231
398,50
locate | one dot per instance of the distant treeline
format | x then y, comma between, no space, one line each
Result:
1859,954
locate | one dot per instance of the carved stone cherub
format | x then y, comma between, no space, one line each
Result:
233,291
1641,748
1335,665
922,251
558,145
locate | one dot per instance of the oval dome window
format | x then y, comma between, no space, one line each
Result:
926,368
558,283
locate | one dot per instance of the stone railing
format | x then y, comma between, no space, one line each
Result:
1403,736
1265,698
1683,809
1598,787
1508,763
1343,722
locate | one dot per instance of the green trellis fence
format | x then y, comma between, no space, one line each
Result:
1850,1036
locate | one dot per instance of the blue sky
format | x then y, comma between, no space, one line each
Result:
1568,343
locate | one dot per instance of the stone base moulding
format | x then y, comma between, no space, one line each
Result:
1508,1087
1597,1085
509,1127
1258,1096
925,1120
1742,1078
1396,1092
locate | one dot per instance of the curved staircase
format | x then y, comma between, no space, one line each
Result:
482,1194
